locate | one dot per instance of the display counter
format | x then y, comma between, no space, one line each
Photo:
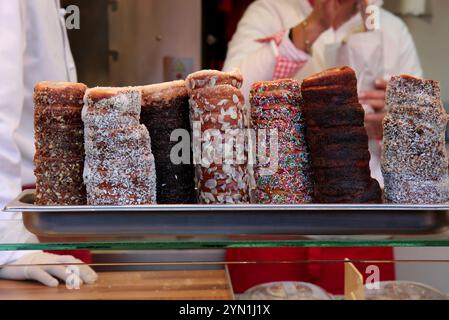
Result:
193,266
164,285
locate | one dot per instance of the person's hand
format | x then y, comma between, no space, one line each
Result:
47,268
376,100
376,97
374,125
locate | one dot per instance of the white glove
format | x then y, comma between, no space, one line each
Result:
46,268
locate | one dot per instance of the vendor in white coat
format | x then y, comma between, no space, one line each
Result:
33,47
297,38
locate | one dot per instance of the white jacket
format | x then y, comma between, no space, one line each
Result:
33,47
266,17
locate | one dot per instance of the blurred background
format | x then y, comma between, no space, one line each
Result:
130,42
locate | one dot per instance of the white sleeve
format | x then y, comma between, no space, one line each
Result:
409,59
12,47
14,232
255,60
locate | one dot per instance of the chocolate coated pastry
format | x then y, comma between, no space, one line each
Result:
337,139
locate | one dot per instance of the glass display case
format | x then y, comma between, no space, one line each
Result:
177,257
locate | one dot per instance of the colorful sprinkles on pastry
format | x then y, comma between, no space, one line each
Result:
287,179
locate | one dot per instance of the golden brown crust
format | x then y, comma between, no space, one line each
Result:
101,93
59,158
344,76
59,93
337,138
212,78
163,92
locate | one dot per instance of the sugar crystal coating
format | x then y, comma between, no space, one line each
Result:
414,156
119,167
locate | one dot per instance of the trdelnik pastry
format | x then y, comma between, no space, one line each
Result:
59,141
285,176
217,106
337,139
165,109
119,167
414,158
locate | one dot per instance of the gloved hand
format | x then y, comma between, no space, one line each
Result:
46,268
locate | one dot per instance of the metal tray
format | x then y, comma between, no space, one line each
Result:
177,220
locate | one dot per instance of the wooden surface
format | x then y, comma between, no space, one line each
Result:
163,285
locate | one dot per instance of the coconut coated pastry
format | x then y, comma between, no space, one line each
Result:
219,119
119,167
337,139
59,142
414,157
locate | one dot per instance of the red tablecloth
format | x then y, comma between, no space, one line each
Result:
83,255
329,276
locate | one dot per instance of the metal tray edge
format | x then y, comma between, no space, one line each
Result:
19,205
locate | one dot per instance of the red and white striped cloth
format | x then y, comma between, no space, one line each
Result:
289,59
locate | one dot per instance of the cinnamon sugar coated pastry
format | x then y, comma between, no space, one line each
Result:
337,139
59,142
165,108
414,157
219,119
287,178
119,167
